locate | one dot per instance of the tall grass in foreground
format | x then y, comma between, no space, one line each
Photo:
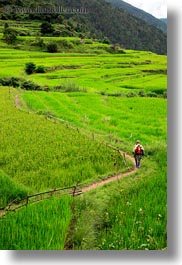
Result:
137,217
10,190
41,226
42,154
129,215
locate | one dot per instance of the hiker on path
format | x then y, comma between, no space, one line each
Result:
138,153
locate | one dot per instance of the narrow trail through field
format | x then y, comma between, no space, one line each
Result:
102,182
110,179
78,191
91,186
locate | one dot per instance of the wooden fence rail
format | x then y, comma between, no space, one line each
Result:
30,199
73,190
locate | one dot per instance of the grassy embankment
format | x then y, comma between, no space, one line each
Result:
129,214
131,73
37,155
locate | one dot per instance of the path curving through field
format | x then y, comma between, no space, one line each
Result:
101,182
110,179
93,185
84,189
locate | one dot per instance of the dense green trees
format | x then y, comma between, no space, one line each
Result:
46,28
101,21
151,20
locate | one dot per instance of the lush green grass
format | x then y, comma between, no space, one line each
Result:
42,154
41,226
10,190
104,73
125,118
27,27
127,215
38,154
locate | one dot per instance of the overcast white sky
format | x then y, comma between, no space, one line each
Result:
157,8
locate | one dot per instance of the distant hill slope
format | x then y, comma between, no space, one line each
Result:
159,23
102,21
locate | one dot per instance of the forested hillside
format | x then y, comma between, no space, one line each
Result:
102,21
151,20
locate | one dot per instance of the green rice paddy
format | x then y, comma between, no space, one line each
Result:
115,98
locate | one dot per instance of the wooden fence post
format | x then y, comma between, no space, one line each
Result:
27,200
124,158
52,192
74,191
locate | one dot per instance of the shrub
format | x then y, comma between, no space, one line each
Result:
5,81
115,49
52,47
22,83
152,95
46,28
29,85
40,69
158,91
30,68
15,82
131,94
12,81
39,42
66,44
141,93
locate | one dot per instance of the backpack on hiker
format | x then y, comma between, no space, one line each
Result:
138,150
